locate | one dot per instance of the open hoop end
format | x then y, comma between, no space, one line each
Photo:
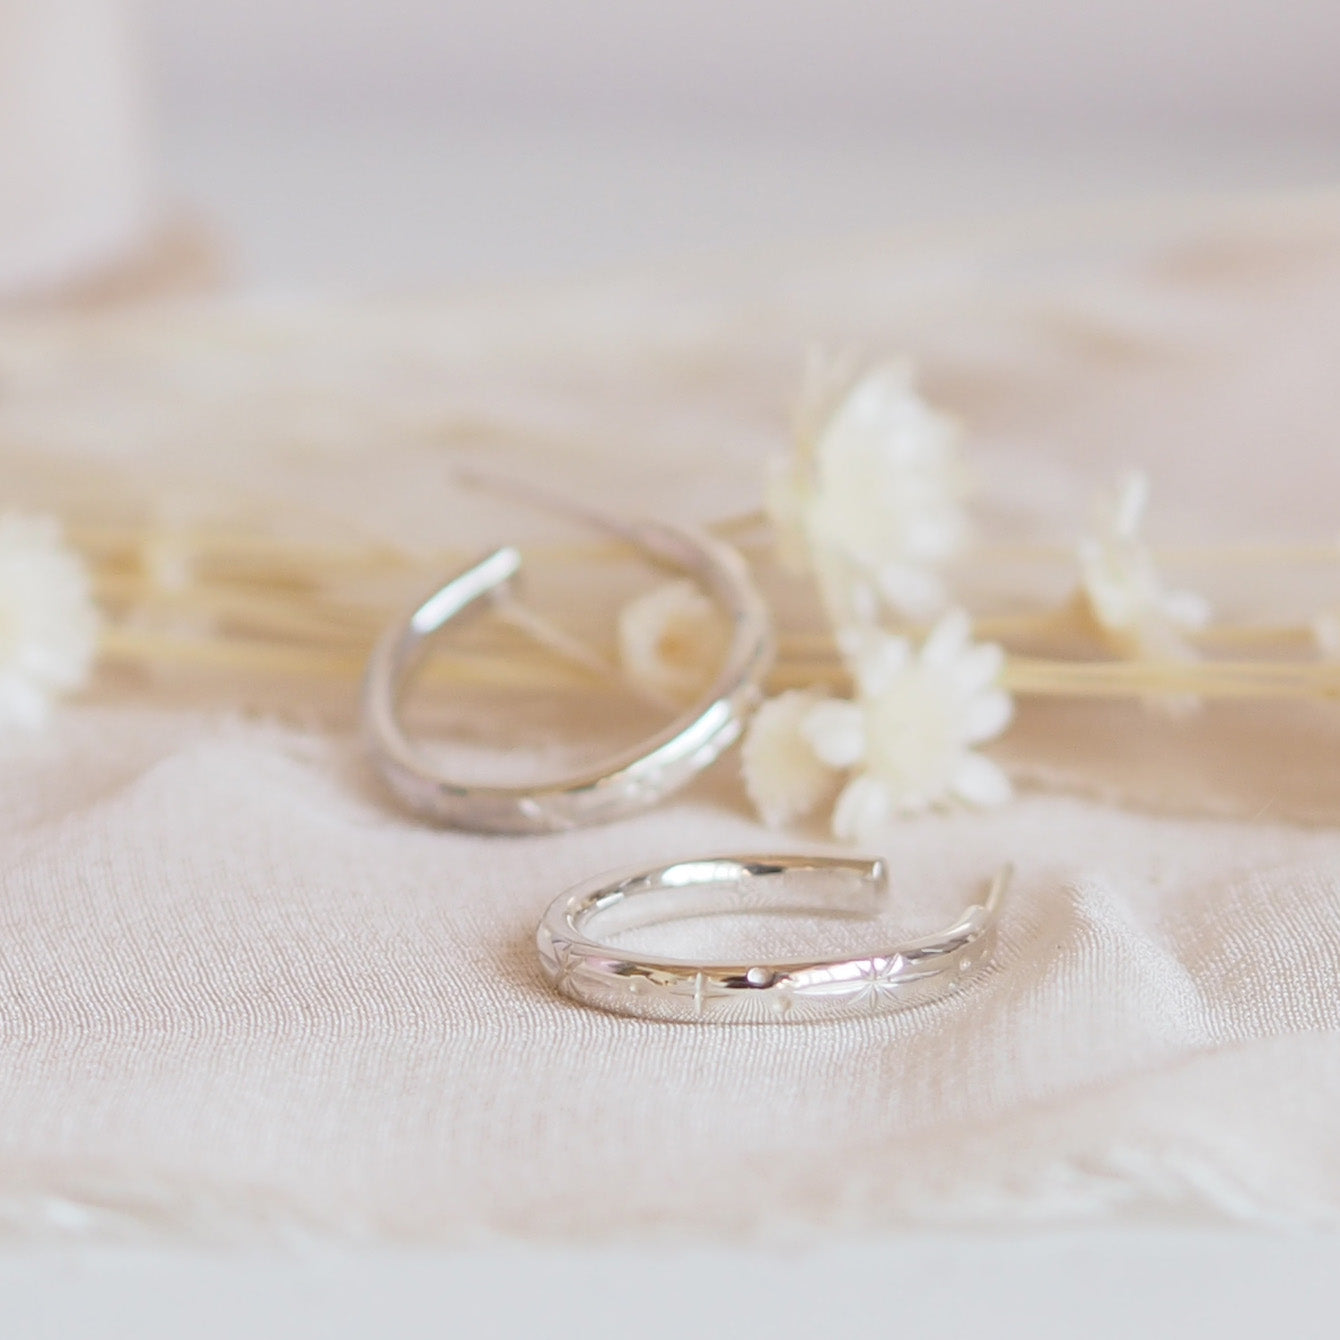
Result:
632,780
1000,887
490,574
582,956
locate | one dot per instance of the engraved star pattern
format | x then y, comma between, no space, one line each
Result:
569,964
878,981
873,985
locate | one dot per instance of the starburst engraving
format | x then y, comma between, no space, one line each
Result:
876,982
869,984
567,964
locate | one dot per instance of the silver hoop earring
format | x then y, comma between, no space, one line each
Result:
632,781
790,990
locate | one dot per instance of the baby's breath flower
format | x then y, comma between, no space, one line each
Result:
48,622
911,732
874,479
1122,590
672,640
907,741
783,775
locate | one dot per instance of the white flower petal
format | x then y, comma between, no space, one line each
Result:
988,715
784,778
948,640
1122,588
915,593
862,809
1128,515
1187,609
835,730
982,782
979,667
863,600
49,621
916,802
934,535
671,640
875,478
916,721
22,703
875,658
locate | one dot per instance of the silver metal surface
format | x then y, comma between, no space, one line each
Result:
631,781
784,991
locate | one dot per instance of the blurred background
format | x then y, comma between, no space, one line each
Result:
391,144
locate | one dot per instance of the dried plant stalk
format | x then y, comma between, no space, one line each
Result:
261,605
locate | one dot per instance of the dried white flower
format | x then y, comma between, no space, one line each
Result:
912,731
783,775
908,738
1122,590
48,621
672,640
876,480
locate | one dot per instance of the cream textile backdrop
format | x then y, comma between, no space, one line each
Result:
77,185
241,995
851,67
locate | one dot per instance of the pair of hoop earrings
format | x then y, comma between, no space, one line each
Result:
593,971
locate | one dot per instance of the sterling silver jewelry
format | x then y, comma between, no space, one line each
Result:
791,990
633,780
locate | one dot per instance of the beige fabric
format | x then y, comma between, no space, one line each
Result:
240,994
75,145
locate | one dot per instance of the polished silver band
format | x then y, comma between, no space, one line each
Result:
791,990
632,781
